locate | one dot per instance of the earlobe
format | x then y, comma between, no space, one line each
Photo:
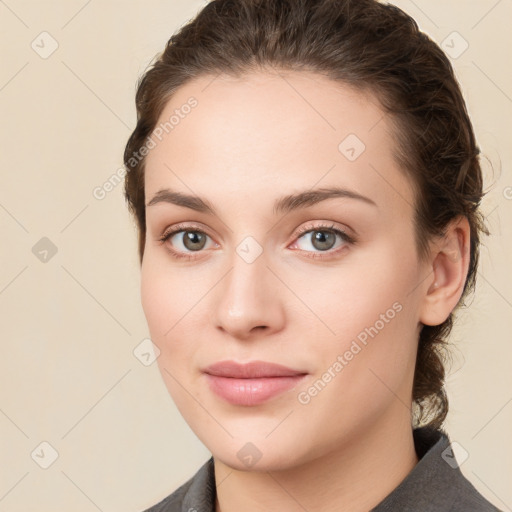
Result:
450,262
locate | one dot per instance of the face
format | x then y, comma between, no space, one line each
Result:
325,285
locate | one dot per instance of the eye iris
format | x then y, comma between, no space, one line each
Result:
190,238
325,239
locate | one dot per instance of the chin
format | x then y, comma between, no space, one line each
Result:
275,462
258,455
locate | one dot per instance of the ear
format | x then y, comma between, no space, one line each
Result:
449,263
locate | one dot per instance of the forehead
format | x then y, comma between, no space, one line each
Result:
289,129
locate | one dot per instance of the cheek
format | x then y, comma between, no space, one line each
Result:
164,306
353,296
167,293
155,302
165,309
171,301
372,317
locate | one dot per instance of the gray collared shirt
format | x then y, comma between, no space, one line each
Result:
435,484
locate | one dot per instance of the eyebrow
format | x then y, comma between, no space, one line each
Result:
283,204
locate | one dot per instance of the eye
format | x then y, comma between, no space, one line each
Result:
322,239
183,241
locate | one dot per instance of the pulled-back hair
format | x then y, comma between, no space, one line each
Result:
373,47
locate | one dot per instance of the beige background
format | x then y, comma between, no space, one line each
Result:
69,326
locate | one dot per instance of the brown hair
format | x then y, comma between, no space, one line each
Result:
373,47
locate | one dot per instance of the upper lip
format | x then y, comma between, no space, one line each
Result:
251,370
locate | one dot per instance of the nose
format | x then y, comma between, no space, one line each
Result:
248,301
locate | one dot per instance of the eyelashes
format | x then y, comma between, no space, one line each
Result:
168,234
327,232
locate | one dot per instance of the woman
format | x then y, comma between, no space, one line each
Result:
306,185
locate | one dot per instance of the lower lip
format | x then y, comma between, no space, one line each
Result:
251,391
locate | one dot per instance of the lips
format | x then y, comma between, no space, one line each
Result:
251,383
252,370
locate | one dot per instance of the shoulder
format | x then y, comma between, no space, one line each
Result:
468,498
462,493
174,501
197,493
436,483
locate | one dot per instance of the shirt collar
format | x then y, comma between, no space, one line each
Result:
431,481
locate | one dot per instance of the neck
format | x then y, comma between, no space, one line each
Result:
354,479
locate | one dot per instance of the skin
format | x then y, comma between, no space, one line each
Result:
249,141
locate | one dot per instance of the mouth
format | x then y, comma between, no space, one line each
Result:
251,383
